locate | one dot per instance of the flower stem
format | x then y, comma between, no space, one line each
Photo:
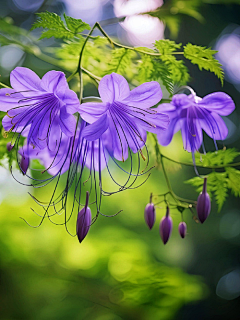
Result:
4,85
180,201
236,164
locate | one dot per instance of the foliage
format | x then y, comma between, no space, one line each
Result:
57,28
203,57
219,182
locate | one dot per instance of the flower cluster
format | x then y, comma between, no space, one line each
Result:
76,141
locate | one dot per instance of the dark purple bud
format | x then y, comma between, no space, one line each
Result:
84,220
166,227
9,146
182,229
24,164
203,203
150,215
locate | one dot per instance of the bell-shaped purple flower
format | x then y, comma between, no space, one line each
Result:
166,227
182,229
192,114
203,203
39,108
149,214
124,117
84,220
24,164
9,146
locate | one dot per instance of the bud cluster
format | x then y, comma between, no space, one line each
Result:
203,210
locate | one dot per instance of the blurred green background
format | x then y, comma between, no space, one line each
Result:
122,270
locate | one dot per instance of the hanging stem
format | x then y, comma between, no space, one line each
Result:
180,201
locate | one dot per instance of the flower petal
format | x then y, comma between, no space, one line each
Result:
92,111
165,136
218,102
214,126
191,134
9,99
144,96
67,122
95,130
54,81
113,87
70,99
24,79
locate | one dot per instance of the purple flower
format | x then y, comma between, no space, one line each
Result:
124,117
192,114
166,227
182,229
39,108
84,220
203,203
150,215
24,164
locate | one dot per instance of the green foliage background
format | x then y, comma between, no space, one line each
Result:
122,270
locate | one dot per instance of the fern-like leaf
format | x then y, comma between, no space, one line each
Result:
57,28
204,58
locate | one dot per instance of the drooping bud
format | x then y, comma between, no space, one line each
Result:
166,227
182,229
24,164
203,203
9,146
84,220
149,214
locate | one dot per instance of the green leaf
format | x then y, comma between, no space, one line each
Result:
57,28
233,180
76,25
203,57
218,158
217,184
177,69
167,46
121,61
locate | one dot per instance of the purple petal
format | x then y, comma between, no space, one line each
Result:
191,134
165,136
166,107
95,130
218,102
214,126
91,111
144,96
54,81
9,99
67,122
113,87
97,156
24,79
70,99
182,101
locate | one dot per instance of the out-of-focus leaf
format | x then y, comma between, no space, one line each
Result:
203,57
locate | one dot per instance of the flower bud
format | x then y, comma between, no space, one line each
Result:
84,220
182,229
24,164
9,146
203,203
150,215
166,227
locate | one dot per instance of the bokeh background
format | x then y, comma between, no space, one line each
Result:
122,270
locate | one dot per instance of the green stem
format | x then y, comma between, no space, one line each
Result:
236,164
177,199
114,43
4,85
